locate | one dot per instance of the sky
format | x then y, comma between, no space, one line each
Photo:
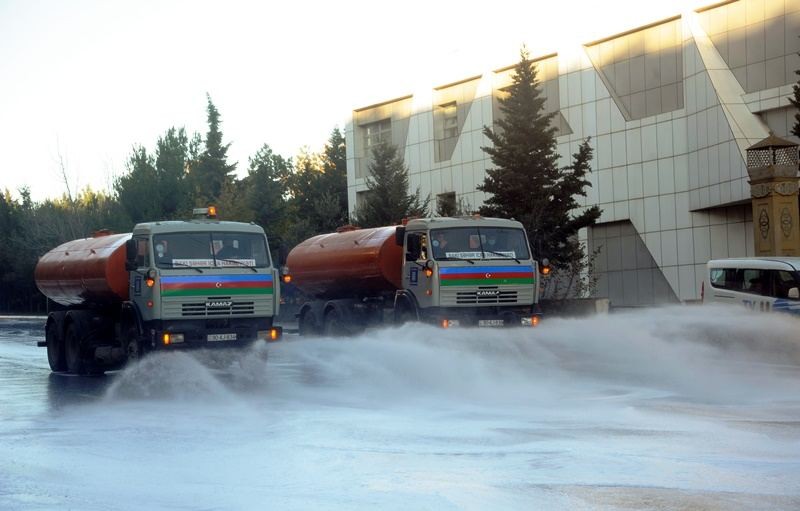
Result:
82,82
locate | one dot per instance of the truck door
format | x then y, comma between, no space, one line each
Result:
141,287
415,278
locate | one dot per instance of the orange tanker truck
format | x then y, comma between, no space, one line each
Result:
167,285
470,271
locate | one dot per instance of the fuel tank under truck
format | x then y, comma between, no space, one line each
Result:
85,271
352,262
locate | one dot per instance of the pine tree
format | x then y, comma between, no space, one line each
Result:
795,101
172,156
388,201
211,172
265,193
526,183
333,199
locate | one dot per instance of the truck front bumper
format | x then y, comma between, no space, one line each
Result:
210,333
452,317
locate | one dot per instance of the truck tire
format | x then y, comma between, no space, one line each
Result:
133,345
404,312
335,325
76,363
309,323
55,347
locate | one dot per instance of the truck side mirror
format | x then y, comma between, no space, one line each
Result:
399,234
130,255
413,247
794,293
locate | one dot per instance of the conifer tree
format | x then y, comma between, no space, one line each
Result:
526,183
388,200
334,180
211,172
795,101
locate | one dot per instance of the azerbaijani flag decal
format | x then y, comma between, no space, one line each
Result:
486,275
204,285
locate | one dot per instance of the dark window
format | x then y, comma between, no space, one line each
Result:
210,249
479,243
142,253
782,282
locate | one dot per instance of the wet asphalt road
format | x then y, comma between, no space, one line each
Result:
670,409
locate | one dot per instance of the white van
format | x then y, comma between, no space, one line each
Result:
760,283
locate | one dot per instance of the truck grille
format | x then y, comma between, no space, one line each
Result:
475,297
481,296
216,306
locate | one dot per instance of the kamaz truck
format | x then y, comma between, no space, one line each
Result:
167,285
451,272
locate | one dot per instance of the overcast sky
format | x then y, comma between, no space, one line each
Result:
86,80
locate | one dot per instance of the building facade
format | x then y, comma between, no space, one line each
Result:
670,108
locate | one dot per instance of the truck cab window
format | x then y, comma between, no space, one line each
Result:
413,246
142,253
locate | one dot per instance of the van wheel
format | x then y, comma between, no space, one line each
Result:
55,348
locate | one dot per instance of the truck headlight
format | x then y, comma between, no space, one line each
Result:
170,338
531,321
273,334
448,323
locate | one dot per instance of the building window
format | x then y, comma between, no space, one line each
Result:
448,115
446,204
361,199
377,132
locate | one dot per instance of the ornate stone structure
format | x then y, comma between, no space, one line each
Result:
772,165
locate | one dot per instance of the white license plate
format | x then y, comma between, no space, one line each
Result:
491,322
221,337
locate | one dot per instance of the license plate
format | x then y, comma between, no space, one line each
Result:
221,337
491,322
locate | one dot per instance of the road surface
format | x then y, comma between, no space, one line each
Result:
677,408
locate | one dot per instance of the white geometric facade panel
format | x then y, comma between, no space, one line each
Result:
670,109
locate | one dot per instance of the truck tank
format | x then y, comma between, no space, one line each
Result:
85,271
348,263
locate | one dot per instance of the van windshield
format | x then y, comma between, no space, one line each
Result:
478,243
210,250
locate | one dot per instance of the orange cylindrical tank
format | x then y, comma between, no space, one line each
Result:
85,271
354,262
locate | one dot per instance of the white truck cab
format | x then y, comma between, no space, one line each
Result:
759,283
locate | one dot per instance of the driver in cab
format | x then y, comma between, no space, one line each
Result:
439,243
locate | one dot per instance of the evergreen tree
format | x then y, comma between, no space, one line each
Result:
155,187
333,196
526,183
138,190
172,157
795,101
211,172
265,193
388,200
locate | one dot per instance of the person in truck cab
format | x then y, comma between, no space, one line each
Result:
228,251
439,245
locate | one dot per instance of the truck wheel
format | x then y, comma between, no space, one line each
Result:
133,348
308,324
334,325
55,348
74,358
404,313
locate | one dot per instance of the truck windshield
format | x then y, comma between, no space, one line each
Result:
478,243
210,250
